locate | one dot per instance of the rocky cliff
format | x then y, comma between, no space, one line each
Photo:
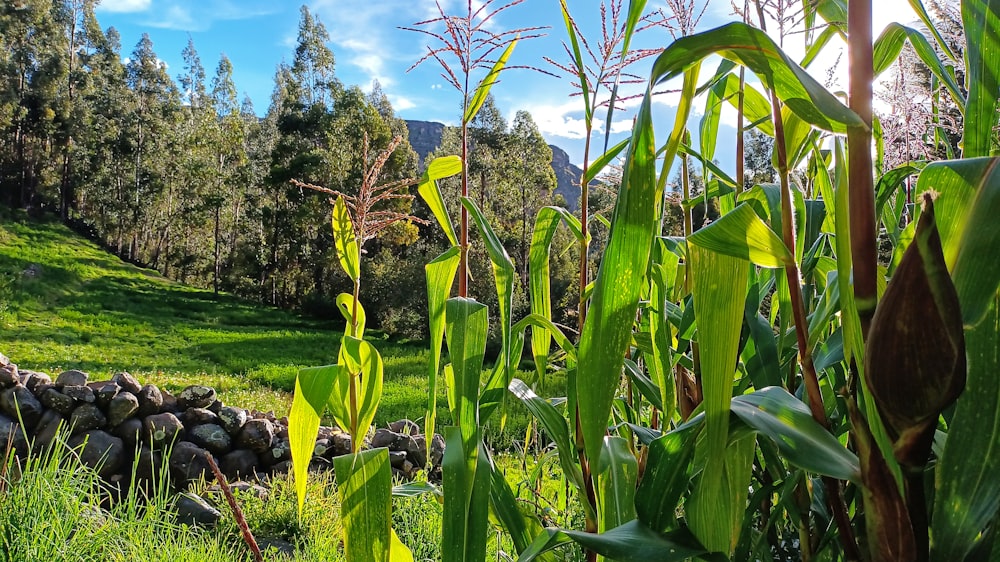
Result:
425,136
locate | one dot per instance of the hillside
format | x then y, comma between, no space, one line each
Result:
65,303
425,137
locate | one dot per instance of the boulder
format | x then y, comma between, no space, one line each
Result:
232,419
55,400
194,511
188,462
240,463
127,382
11,432
405,427
196,396
99,450
161,429
86,417
130,432
9,376
123,406
256,435
198,416
19,403
79,393
104,392
211,437
71,378
150,400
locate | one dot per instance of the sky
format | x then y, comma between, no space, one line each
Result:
365,38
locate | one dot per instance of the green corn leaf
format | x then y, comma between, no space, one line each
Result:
556,334
709,126
666,478
631,542
981,20
741,234
313,386
345,302
925,18
966,212
711,166
440,274
483,89
718,285
968,490
664,276
365,481
546,222
466,324
802,441
364,363
503,276
521,527
888,46
555,427
598,165
440,168
716,508
644,384
752,48
345,241
615,478
820,43
466,483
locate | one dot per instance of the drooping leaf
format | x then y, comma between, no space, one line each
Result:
440,273
345,241
742,234
503,275
364,480
756,108
888,46
440,168
347,306
364,364
752,48
312,391
802,441
555,427
546,222
521,527
663,276
631,542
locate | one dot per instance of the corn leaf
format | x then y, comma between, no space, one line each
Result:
546,222
741,234
753,48
440,168
440,274
345,302
483,89
802,441
312,391
598,165
666,478
555,427
365,481
466,483
364,362
615,480
890,43
345,241
631,542
981,20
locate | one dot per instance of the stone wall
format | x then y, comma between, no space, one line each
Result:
132,432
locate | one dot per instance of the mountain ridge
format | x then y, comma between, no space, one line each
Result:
425,137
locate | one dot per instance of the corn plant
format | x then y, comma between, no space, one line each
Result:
352,388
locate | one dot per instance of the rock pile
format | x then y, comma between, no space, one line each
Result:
134,433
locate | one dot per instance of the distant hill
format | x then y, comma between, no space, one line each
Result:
425,137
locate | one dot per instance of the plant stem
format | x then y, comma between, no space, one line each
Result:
463,230
585,242
241,520
835,495
353,385
588,484
859,158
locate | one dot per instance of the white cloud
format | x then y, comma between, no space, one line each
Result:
123,6
179,17
401,103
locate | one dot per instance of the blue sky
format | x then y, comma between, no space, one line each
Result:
258,34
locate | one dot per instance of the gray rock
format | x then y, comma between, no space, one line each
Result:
150,400
19,399
341,443
4,361
416,450
58,401
437,450
281,450
196,396
9,376
195,511
188,462
47,430
11,432
408,468
240,463
123,406
241,488
86,417
216,406
130,432
79,393
322,447
405,427
169,403
282,467
104,392
397,458
385,438
273,548
256,435
211,437
72,378
161,429
149,465
198,416
32,379
232,419
99,450
127,382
